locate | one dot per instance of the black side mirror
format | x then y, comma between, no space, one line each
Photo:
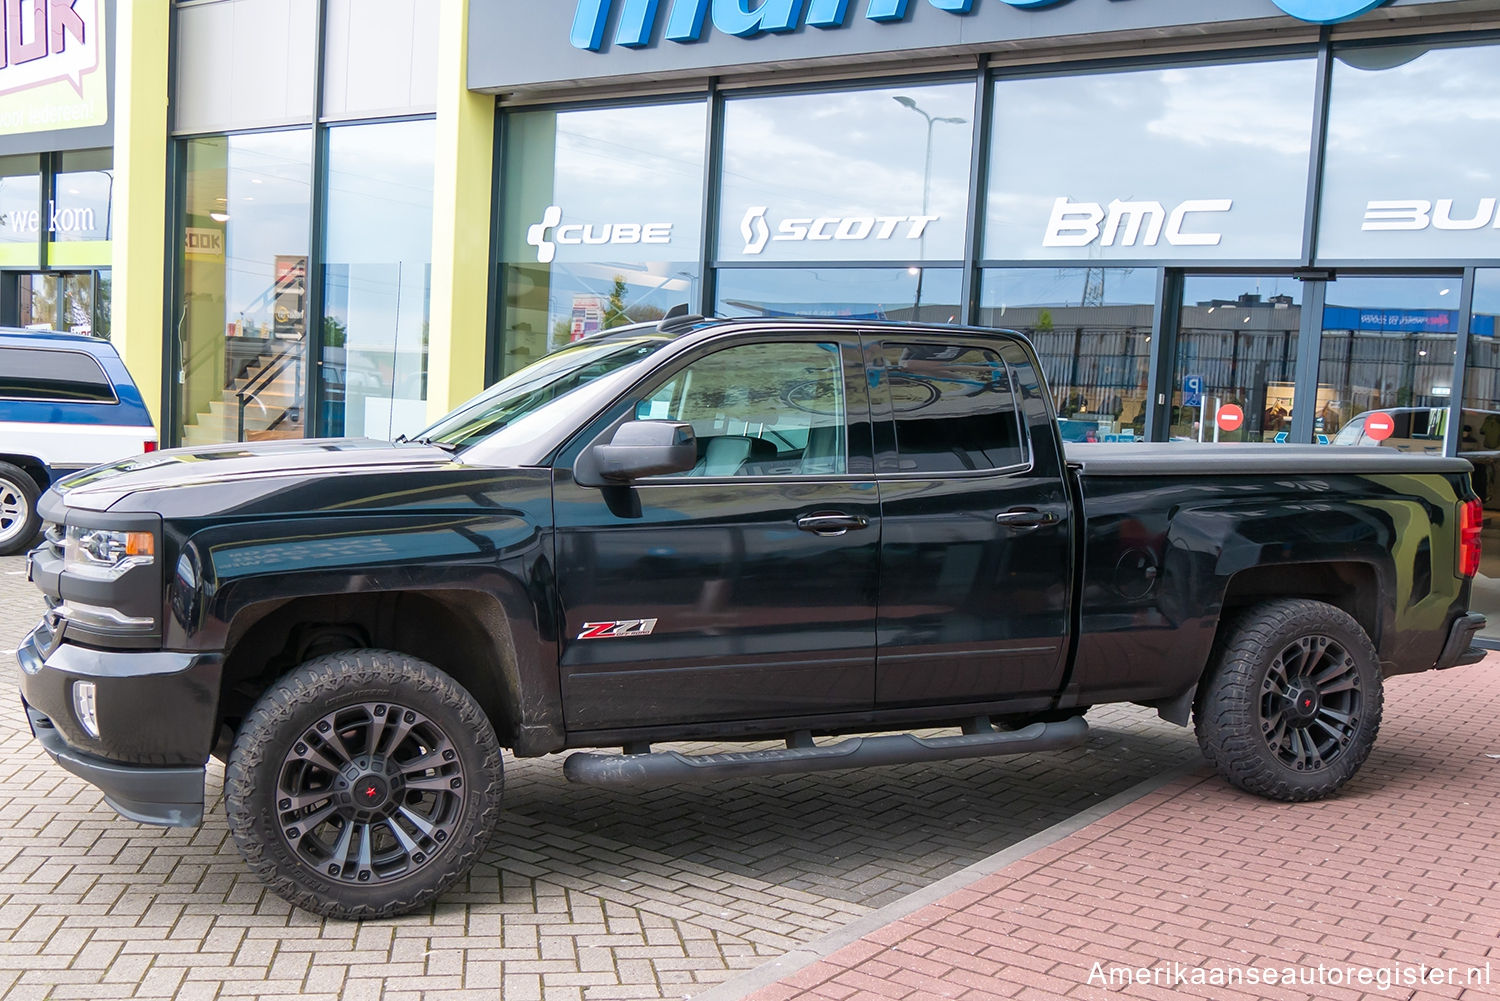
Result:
639,448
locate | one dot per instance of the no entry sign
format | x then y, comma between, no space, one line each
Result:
1379,425
1231,417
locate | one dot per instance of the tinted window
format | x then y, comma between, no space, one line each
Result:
760,410
955,408
31,374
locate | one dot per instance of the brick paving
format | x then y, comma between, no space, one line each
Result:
1398,875
586,894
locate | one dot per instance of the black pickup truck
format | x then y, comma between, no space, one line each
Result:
724,530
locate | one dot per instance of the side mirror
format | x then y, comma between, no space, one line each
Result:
644,448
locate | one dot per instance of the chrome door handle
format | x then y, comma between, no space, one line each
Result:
831,523
1022,518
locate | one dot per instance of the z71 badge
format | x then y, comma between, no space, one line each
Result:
617,630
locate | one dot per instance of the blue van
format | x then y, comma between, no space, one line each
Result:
66,403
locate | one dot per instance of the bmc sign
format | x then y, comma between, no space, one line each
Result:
687,18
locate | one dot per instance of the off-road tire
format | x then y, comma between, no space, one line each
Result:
19,519
360,683
1241,713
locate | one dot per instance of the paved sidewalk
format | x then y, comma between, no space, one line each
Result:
1361,896
586,894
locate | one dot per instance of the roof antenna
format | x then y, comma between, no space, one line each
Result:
677,317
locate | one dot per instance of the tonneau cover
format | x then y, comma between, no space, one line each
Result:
1183,458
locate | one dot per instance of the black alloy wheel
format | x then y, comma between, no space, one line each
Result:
363,784
1290,705
370,793
1310,703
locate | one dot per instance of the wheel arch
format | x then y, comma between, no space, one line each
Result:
464,633
31,466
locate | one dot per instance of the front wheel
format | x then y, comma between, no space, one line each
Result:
1291,705
363,784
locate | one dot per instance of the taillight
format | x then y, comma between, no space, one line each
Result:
149,446
1470,523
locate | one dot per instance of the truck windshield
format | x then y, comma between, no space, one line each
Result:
537,384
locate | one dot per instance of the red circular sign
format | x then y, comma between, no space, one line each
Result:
1379,425
1231,417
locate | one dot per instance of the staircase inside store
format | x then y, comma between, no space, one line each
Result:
262,403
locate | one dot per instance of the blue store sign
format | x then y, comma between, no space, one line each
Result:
687,19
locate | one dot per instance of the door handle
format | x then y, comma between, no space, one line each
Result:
831,523
1025,518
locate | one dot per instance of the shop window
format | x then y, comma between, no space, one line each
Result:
83,196
927,295
1092,331
1183,164
1410,137
601,221
241,336
892,186
1479,438
20,209
1234,374
377,279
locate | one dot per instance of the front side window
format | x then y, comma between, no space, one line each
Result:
954,407
760,410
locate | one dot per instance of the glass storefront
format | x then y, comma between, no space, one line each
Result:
602,213
931,295
1092,331
241,335
1479,439
377,274
1188,163
1236,354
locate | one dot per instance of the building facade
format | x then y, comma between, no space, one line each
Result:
326,217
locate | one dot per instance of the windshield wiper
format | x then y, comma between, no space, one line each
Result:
446,446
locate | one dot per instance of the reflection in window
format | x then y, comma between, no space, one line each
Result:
1393,187
378,271
1479,438
1092,331
842,293
894,186
601,221
20,215
1188,163
241,333
84,195
954,408
760,410
1236,346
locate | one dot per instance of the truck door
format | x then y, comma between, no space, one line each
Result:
744,588
975,554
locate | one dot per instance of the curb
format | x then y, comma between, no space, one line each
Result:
798,959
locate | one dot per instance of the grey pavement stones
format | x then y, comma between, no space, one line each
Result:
584,895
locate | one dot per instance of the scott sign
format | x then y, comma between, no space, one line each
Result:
687,19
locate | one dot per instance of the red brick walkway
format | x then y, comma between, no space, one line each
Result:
1200,880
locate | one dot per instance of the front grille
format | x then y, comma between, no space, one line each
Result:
52,539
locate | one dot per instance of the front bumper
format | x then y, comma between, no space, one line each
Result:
172,797
156,715
1460,648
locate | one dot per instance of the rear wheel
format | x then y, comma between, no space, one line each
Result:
1291,706
19,520
363,784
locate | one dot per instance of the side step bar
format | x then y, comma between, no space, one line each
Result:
648,769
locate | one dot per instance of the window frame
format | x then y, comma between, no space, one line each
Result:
888,455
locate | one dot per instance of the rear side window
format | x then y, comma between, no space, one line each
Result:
954,408
37,374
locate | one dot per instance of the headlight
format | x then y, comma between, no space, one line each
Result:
105,554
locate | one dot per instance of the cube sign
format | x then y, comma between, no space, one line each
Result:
1379,426
1231,417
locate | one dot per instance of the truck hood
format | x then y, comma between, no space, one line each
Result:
101,487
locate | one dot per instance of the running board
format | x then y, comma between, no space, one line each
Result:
645,769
